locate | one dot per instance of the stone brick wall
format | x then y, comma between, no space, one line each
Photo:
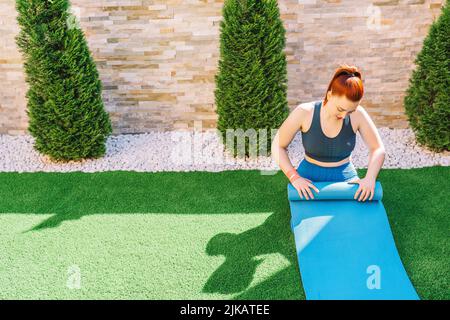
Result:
157,59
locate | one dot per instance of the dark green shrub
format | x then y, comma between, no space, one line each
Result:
251,82
427,101
65,107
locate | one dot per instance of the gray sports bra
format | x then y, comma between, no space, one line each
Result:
322,148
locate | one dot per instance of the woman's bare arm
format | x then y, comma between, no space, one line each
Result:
285,135
372,139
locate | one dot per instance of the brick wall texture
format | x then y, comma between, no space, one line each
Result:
157,58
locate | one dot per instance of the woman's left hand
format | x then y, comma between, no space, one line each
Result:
366,188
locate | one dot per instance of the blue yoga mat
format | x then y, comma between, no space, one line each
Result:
345,248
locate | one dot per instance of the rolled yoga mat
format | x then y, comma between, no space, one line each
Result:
345,248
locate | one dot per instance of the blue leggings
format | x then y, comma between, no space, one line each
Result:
314,172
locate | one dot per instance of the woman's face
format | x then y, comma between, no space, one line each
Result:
340,106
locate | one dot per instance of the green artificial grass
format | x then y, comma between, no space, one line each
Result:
190,235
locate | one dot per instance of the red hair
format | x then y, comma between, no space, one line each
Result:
346,81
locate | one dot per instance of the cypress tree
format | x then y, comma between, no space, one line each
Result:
251,82
64,103
427,101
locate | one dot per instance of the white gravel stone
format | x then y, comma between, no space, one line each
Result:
195,151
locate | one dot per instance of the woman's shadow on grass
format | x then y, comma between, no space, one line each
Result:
242,251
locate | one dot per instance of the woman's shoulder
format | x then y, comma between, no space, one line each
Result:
359,116
305,112
306,106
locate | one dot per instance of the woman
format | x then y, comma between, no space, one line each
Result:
328,128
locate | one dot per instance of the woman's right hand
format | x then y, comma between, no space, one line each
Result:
303,185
